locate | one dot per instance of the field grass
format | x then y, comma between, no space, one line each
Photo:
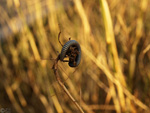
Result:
114,73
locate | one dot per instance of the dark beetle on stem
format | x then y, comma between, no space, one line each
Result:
72,50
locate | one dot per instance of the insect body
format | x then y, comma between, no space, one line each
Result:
72,50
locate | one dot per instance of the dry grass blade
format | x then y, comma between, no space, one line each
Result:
110,39
12,98
113,79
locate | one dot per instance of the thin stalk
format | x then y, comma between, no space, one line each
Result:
55,69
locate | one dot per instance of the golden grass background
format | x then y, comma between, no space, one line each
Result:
114,73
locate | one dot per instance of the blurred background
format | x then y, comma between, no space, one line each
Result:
114,73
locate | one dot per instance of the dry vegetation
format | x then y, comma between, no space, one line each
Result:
114,74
